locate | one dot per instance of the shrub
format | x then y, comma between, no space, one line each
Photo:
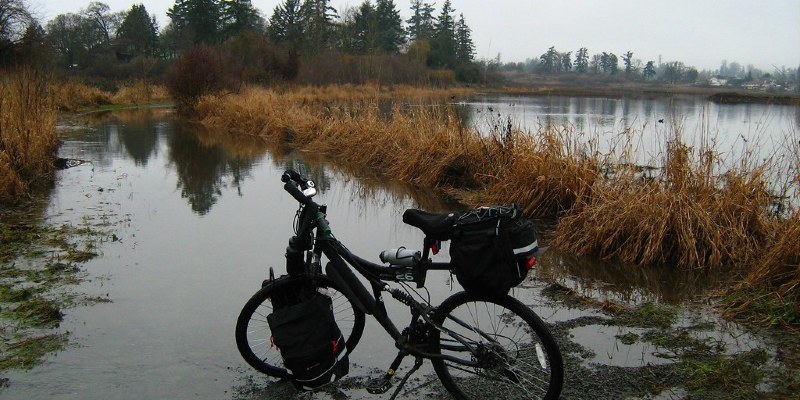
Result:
442,77
198,72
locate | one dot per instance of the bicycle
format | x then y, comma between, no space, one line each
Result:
480,346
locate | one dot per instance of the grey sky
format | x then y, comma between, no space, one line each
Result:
700,33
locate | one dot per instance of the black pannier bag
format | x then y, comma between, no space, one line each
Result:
310,342
491,248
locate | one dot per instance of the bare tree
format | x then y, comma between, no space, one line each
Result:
15,18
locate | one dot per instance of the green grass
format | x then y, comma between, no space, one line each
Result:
26,353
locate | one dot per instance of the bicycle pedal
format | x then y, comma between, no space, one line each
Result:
379,385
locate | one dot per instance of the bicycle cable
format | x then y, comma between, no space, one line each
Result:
409,290
296,222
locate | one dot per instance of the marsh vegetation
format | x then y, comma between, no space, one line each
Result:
695,211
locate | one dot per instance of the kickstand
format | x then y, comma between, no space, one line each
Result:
417,364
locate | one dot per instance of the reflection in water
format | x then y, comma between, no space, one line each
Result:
203,170
629,283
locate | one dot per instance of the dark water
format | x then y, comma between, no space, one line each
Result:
200,218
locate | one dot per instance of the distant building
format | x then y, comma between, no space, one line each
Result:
717,81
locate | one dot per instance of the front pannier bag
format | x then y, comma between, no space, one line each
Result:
310,342
490,249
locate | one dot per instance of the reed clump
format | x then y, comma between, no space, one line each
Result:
543,172
770,293
139,92
71,96
686,216
27,134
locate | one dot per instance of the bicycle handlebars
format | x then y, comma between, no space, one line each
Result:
292,189
292,180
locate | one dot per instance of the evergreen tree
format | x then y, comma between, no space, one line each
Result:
566,61
389,25
421,23
316,19
199,19
582,60
465,48
550,62
239,16
609,63
649,70
627,59
365,28
285,24
443,45
138,32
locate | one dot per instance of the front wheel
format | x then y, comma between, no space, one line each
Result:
254,336
506,351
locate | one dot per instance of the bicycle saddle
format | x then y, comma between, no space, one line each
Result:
435,226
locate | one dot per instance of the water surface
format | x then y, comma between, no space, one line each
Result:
200,217
734,129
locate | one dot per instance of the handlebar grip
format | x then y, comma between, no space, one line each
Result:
292,189
290,175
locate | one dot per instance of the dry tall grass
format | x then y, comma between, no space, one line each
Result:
27,133
770,294
139,92
687,216
73,96
421,145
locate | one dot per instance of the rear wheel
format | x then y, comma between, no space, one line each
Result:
254,336
511,353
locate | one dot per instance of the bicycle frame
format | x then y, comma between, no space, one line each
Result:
312,218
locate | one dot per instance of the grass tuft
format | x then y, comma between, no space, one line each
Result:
27,136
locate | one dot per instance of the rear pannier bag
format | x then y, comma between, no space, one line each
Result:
490,249
310,342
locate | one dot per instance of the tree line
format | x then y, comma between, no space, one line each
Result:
607,64
96,40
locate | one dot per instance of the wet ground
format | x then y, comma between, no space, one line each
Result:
195,222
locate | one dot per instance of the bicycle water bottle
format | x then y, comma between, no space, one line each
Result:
401,256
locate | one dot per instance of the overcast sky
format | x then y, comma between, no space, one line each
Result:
700,33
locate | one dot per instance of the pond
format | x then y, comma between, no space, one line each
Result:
201,217
734,129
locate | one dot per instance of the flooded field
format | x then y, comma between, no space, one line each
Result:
199,220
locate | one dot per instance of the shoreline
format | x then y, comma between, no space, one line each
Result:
641,90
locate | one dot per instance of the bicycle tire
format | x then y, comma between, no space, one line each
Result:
525,365
253,334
